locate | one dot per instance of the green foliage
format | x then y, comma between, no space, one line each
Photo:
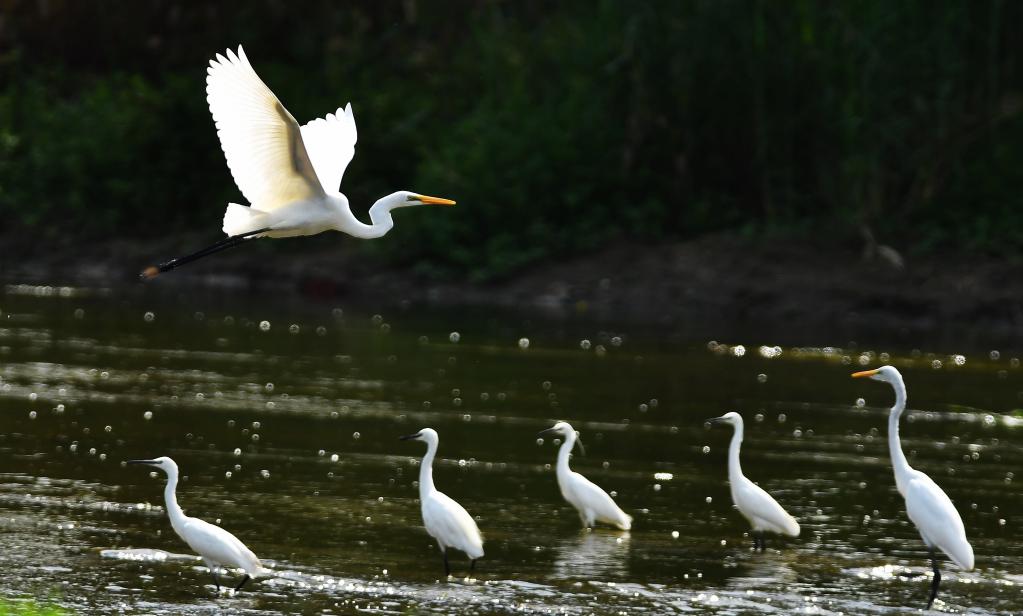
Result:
557,127
29,607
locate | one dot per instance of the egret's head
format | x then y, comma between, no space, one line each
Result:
562,428
887,374
731,418
404,198
163,463
427,435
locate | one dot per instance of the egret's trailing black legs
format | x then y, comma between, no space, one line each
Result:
935,581
472,566
447,567
763,542
242,583
155,270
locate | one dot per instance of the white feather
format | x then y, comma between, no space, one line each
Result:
451,525
753,502
214,544
592,502
936,517
445,520
261,140
239,219
763,512
589,499
330,142
218,546
927,505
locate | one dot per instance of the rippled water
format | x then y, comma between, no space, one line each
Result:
284,418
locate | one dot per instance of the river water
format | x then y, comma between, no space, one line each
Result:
284,417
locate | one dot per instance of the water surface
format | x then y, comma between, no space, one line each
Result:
284,419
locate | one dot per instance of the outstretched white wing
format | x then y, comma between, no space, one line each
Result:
330,142
261,140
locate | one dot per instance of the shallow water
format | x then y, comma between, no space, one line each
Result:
286,434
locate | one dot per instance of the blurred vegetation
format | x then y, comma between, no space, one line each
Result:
28,607
557,126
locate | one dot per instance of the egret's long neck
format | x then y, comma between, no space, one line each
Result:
563,453
426,471
174,512
379,216
734,469
899,463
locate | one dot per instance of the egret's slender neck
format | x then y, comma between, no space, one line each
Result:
734,469
426,471
174,512
379,216
899,463
563,453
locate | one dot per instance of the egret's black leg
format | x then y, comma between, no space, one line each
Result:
242,583
447,567
216,578
763,542
935,581
472,566
758,541
155,270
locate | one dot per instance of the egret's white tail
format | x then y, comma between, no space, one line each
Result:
474,548
617,518
239,219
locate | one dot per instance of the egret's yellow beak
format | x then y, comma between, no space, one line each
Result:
857,375
435,200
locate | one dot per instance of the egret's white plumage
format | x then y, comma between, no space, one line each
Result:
753,502
216,546
289,174
927,505
445,520
589,499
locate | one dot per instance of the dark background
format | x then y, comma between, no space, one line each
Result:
560,127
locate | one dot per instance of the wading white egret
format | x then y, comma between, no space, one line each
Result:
753,502
592,502
216,546
445,520
928,507
289,174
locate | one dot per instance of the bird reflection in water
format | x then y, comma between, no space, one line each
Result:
592,555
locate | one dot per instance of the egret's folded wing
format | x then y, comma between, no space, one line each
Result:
261,140
753,500
937,519
330,142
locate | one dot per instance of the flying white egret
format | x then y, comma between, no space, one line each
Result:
753,502
928,507
445,520
290,175
214,544
592,502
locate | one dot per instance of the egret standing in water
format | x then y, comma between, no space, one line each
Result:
445,520
592,502
289,174
216,546
753,502
928,507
